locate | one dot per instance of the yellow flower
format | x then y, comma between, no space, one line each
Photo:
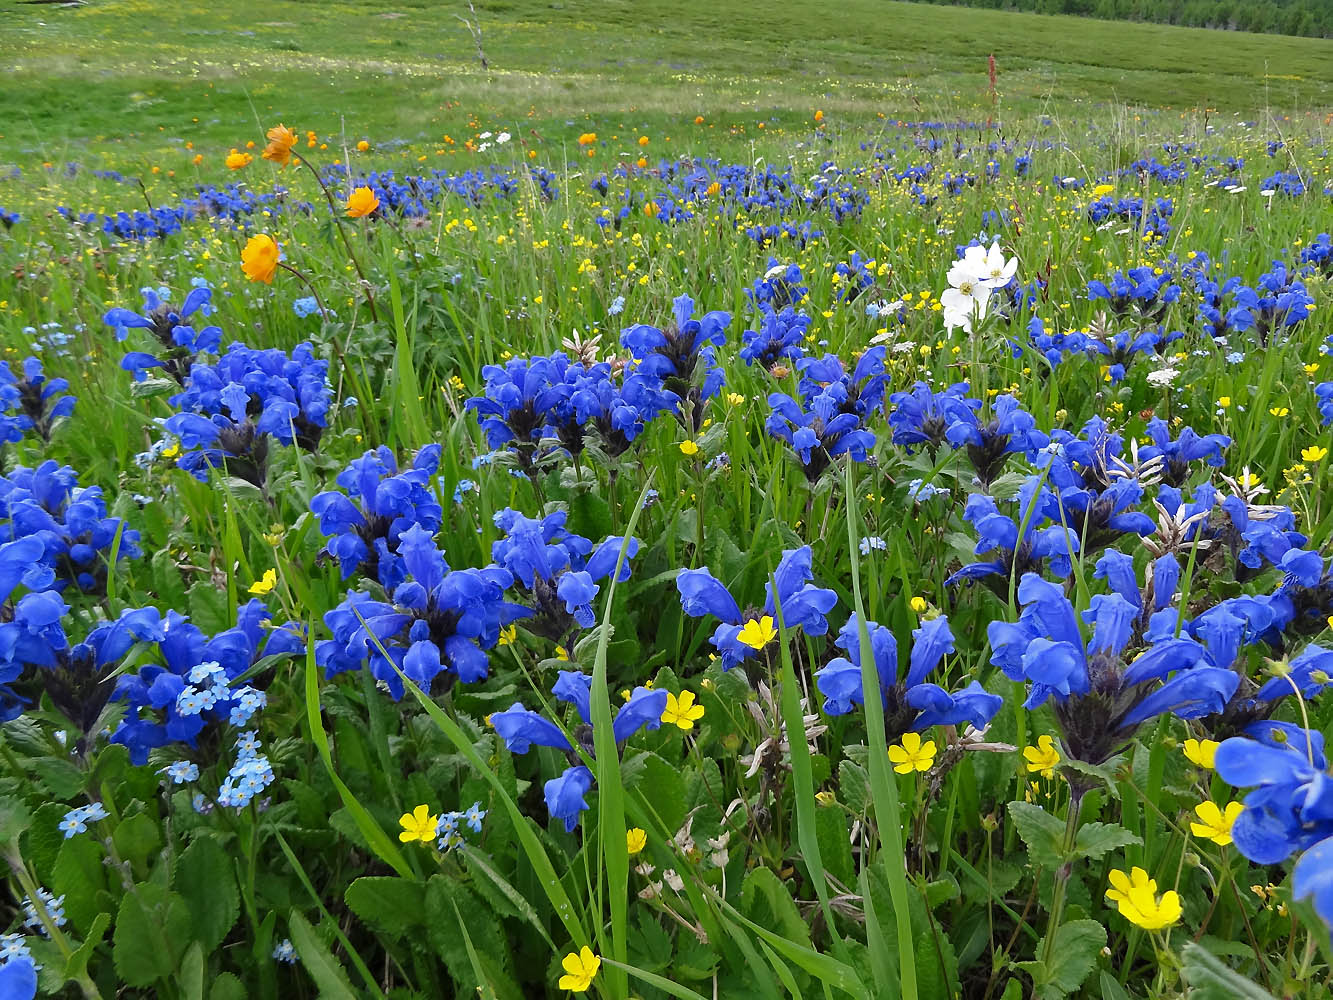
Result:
419,824
259,258
172,451
361,203
1201,752
819,116
1224,402
281,139
1278,411
689,448
561,653
651,209
758,632
362,146
1314,454
508,635
635,841
918,604
1214,823
912,755
643,140
236,160
580,969
682,711
1135,895
1102,189
735,398
1043,758
587,138
265,584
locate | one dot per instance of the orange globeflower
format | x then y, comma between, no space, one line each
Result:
361,203
363,145
259,259
698,119
643,140
236,159
281,139
587,138
198,159
819,116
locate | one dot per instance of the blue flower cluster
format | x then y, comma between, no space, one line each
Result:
231,409
828,419
365,524
179,344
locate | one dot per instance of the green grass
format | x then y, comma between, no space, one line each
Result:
136,74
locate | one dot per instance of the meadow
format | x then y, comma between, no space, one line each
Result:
450,518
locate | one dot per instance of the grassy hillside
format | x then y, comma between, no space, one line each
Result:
410,68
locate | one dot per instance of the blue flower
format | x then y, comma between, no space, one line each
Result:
803,605
827,421
1044,544
38,399
18,979
780,335
923,417
521,729
1011,431
910,703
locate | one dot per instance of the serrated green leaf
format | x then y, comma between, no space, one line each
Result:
1041,832
148,938
204,875
1097,839
392,906
80,875
317,961
1077,945
227,987
191,979
77,965
137,839
14,819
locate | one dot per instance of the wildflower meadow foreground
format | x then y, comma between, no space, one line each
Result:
855,557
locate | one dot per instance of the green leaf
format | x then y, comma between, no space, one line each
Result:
227,987
392,906
1111,988
318,963
77,964
61,776
1077,945
766,901
1097,839
80,875
137,839
41,842
147,940
1212,979
205,875
14,819
191,980
1041,832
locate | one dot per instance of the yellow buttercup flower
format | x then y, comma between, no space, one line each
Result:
758,632
362,146
580,969
1135,895
265,584
912,754
689,448
635,841
1314,454
919,604
419,824
1214,823
1043,758
682,711
1102,189
259,258
1201,752
361,202
281,139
